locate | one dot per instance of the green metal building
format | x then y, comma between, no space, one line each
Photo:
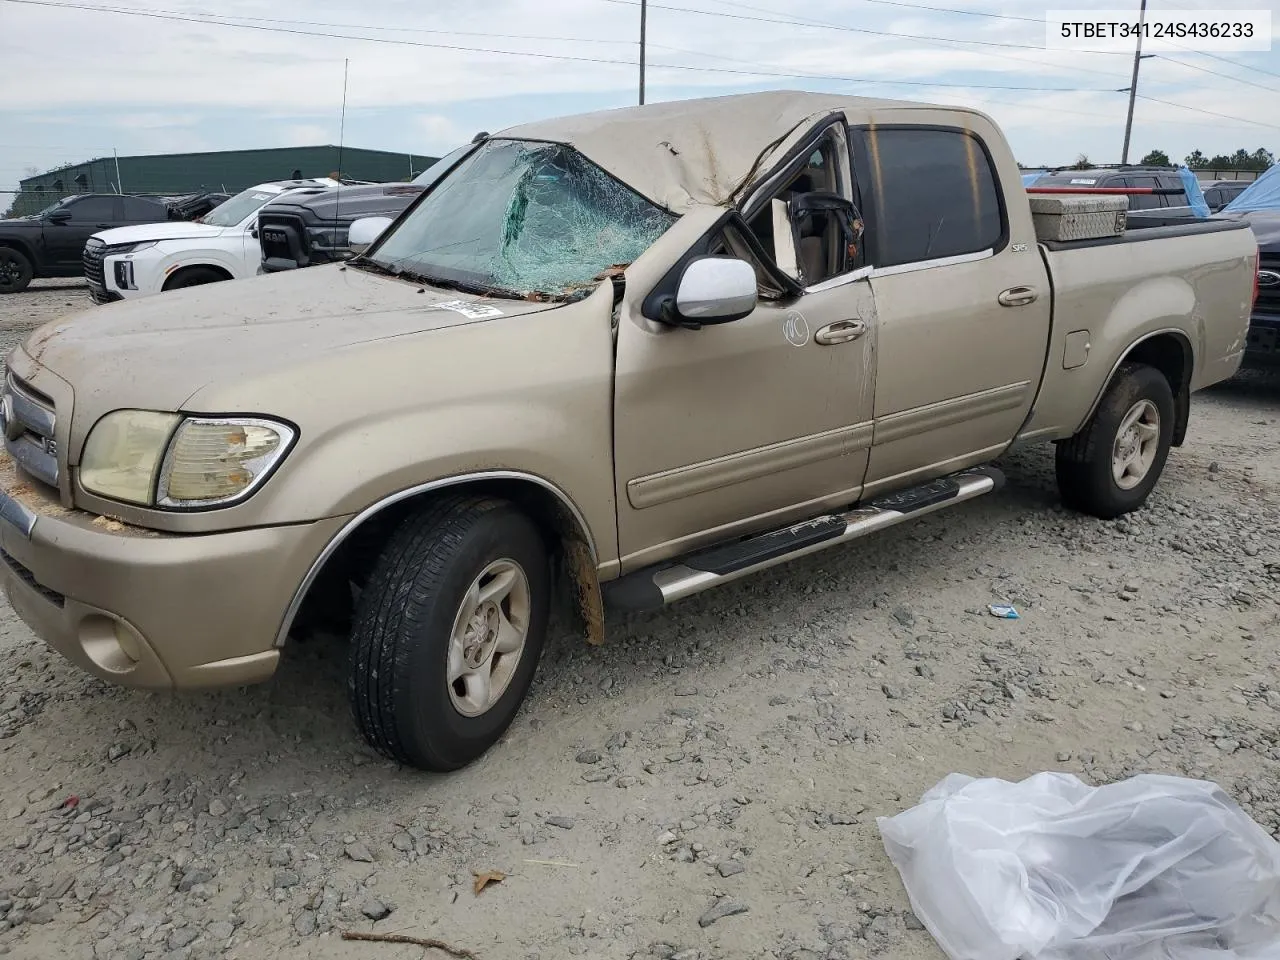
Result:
226,170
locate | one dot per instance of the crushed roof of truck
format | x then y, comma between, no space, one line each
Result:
704,151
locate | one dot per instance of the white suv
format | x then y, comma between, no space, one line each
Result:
131,262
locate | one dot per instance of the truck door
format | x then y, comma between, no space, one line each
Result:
753,424
65,242
961,294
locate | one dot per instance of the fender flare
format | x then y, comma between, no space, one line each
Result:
580,551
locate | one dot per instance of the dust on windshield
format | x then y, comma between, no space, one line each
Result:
524,218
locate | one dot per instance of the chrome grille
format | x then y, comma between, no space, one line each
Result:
29,425
92,259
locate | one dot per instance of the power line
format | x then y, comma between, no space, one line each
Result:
1234,63
1214,56
945,45
122,11
948,42
790,21
1225,76
1211,113
918,6
361,26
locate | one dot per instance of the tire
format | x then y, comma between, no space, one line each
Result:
1091,477
16,271
193,277
404,650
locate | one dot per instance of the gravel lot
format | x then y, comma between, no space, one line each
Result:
703,786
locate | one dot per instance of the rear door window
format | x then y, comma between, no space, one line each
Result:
1145,201
94,210
1172,182
935,193
142,210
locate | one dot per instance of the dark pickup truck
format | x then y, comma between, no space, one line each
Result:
50,243
305,230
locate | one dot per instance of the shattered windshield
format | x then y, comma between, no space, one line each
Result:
522,218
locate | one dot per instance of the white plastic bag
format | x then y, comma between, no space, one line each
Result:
1152,868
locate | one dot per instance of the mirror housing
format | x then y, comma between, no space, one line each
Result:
59,216
366,230
712,290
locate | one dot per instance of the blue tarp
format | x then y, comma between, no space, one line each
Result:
1029,178
1195,196
1262,194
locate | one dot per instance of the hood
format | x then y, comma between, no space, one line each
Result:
167,230
21,223
351,203
157,352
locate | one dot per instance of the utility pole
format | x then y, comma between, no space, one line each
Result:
644,17
119,186
1133,83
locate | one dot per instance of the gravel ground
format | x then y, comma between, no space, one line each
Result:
703,786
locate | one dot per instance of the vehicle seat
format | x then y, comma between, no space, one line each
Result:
813,260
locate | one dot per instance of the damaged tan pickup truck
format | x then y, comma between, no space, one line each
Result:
620,358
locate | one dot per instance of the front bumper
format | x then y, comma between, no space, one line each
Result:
1262,349
152,610
127,277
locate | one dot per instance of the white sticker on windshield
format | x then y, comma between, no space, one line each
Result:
262,196
1087,183
472,311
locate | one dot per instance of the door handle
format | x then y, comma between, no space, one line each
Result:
842,331
1018,296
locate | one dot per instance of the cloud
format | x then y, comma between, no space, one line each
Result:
139,84
440,134
306,135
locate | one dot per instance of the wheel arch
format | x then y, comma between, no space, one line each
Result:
22,247
1170,352
352,549
188,267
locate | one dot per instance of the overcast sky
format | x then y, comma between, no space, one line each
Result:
79,83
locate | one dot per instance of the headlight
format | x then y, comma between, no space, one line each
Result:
166,460
130,248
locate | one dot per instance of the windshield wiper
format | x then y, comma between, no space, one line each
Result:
373,266
479,289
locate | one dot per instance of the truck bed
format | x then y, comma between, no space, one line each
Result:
1178,277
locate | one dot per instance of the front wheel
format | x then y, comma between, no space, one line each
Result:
16,271
448,632
1111,466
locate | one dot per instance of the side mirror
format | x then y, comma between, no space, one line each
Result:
365,231
59,216
253,231
713,290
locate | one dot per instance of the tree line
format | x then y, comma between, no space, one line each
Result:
1260,159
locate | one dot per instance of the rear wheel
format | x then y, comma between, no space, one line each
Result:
448,632
16,271
1111,466
193,277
